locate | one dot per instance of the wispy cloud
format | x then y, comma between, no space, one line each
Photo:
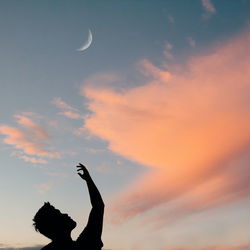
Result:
168,51
37,130
171,19
44,188
58,174
191,42
33,159
191,127
30,140
94,150
62,105
71,115
103,79
67,110
208,7
26,158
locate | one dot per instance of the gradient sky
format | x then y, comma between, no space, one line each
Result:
157,108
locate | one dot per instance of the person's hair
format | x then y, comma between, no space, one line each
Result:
45,221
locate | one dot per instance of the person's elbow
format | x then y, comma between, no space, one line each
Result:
102,205
98,205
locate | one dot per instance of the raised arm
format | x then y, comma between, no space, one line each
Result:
95,196
93,230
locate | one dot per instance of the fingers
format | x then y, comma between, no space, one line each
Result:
82,171
80,166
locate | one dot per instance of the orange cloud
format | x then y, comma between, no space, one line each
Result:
30,140
37,130
191,127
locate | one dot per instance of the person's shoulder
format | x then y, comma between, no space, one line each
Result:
88,241
47,247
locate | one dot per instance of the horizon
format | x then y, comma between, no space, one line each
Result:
155,105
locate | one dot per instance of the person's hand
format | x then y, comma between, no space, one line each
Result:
83,172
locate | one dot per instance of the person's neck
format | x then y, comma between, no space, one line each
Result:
63,239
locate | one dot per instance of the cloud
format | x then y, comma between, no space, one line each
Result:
107,78
241,247
37,130
44,188
71,115
168,51
32,115
171,19
190,127
68,111
58,174
208,7
26,158
33,159
58,102
191,42
30,140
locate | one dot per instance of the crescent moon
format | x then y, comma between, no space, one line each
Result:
87,43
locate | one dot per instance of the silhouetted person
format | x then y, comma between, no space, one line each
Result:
50,222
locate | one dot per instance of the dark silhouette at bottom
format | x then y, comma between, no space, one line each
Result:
57,226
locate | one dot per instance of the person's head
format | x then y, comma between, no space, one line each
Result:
52,223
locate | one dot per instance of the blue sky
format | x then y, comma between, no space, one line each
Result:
135,46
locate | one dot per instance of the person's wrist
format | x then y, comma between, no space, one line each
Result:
88,178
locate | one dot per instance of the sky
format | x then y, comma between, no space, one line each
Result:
157,108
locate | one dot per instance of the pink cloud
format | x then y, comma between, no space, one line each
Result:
44,188
190,127
103,78
58,102
33,159
71,115
68,111
38,131
30,140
